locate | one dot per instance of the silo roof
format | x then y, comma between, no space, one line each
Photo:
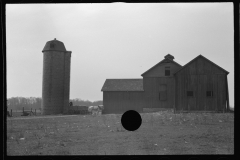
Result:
54,45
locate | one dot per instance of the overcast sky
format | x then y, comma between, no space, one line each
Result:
114,40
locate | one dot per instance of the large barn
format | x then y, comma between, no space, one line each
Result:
199,85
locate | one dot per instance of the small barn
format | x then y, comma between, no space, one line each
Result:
201,85
120,95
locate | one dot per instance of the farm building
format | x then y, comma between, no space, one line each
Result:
168,85
158,83
120,95
155,90
201,85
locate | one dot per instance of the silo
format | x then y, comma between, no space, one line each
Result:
56,78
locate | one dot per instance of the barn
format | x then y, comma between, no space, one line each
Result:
120,95
201,85
158,83
154,90
198,85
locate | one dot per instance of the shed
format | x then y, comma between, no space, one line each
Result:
120,95
201,85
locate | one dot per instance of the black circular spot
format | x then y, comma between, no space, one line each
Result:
131,120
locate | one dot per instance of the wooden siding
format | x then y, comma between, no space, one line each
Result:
159,70
200,84
201,76
152,90
121,101
222,96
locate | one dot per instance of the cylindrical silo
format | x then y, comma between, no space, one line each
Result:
56,78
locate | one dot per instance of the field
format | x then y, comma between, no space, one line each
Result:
161,133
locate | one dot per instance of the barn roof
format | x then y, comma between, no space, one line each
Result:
200,56
123,85
167,58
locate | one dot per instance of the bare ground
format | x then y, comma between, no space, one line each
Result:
160,133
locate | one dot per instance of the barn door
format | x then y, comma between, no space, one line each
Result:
163,92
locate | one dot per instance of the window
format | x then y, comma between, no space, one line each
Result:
189,93
209,94
167,71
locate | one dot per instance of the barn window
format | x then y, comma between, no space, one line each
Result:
189,93
209,93
167,71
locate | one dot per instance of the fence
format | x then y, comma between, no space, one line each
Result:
24,112
79,110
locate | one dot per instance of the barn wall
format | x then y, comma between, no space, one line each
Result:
119,102
201,76
152,90
159,71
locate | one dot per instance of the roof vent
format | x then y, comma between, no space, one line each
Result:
169,56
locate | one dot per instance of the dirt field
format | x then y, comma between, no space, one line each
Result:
160,133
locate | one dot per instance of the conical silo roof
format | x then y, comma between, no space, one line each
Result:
54,45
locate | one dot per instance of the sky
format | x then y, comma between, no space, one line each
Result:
115,40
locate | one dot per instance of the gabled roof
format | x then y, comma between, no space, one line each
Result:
123,85
164,60
200,56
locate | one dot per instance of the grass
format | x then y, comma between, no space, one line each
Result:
160,133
